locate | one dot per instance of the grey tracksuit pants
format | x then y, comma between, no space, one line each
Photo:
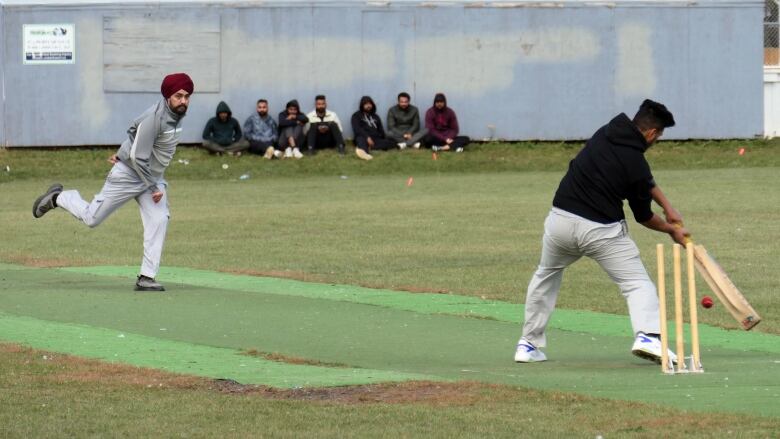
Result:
567,237
122,185
416,137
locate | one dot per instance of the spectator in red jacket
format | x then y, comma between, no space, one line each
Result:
442,125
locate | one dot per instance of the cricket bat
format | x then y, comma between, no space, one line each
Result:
724,288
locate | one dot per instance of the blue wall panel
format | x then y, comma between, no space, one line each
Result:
509,72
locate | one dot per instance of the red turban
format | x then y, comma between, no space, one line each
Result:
175,82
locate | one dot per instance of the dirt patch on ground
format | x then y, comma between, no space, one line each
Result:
274,356
420,392
69,369
294,275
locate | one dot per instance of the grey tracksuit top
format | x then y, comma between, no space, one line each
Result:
151,143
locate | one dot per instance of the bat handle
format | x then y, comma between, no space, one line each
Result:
688,239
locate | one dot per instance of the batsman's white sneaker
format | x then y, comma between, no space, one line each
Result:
528,353
649,348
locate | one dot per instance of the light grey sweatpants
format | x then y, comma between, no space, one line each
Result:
567,237
122,185
416,137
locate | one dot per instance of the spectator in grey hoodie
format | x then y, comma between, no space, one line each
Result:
403,123
261,131
222,133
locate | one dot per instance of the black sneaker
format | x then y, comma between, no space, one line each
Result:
145,283
311,151
45,202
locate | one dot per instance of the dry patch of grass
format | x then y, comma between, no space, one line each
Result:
281,358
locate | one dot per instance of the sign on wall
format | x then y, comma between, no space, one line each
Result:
49,44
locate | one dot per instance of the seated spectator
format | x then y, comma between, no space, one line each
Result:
291,123
223,132
324,128
261,131
403,123
442,124
368,130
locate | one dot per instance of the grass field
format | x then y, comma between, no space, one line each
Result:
469,225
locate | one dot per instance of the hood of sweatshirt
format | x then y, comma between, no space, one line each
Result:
621,131
365,99
440,97
293,103
224,108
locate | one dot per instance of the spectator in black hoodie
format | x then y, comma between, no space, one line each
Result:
368,130
222,133
291,123
587,219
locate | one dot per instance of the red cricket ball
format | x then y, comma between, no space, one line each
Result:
706,302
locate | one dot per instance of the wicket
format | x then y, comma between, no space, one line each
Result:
695,361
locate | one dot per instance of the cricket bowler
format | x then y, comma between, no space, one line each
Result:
137,173
587,219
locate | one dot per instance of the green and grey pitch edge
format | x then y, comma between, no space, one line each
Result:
451,304
186,358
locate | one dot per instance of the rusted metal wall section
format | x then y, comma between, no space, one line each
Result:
518,70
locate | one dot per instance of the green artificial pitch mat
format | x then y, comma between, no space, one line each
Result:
206,319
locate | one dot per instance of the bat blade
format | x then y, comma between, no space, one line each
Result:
720,284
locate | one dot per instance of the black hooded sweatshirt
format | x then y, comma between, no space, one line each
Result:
367,124
223,133
300,119
609,169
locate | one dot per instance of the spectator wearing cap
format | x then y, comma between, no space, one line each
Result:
403,123
222,133
137,174
291,123
442,124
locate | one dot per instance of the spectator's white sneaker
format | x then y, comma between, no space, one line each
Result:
435,148
416,145
278,153
269,153
297,153
362,154
528,353
649,348
288,153
460,149
402,145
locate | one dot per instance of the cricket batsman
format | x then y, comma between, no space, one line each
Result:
587,219
137,173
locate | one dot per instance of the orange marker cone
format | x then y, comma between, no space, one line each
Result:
741,151
409,181
435,157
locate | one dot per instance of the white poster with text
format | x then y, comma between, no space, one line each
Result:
49,44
